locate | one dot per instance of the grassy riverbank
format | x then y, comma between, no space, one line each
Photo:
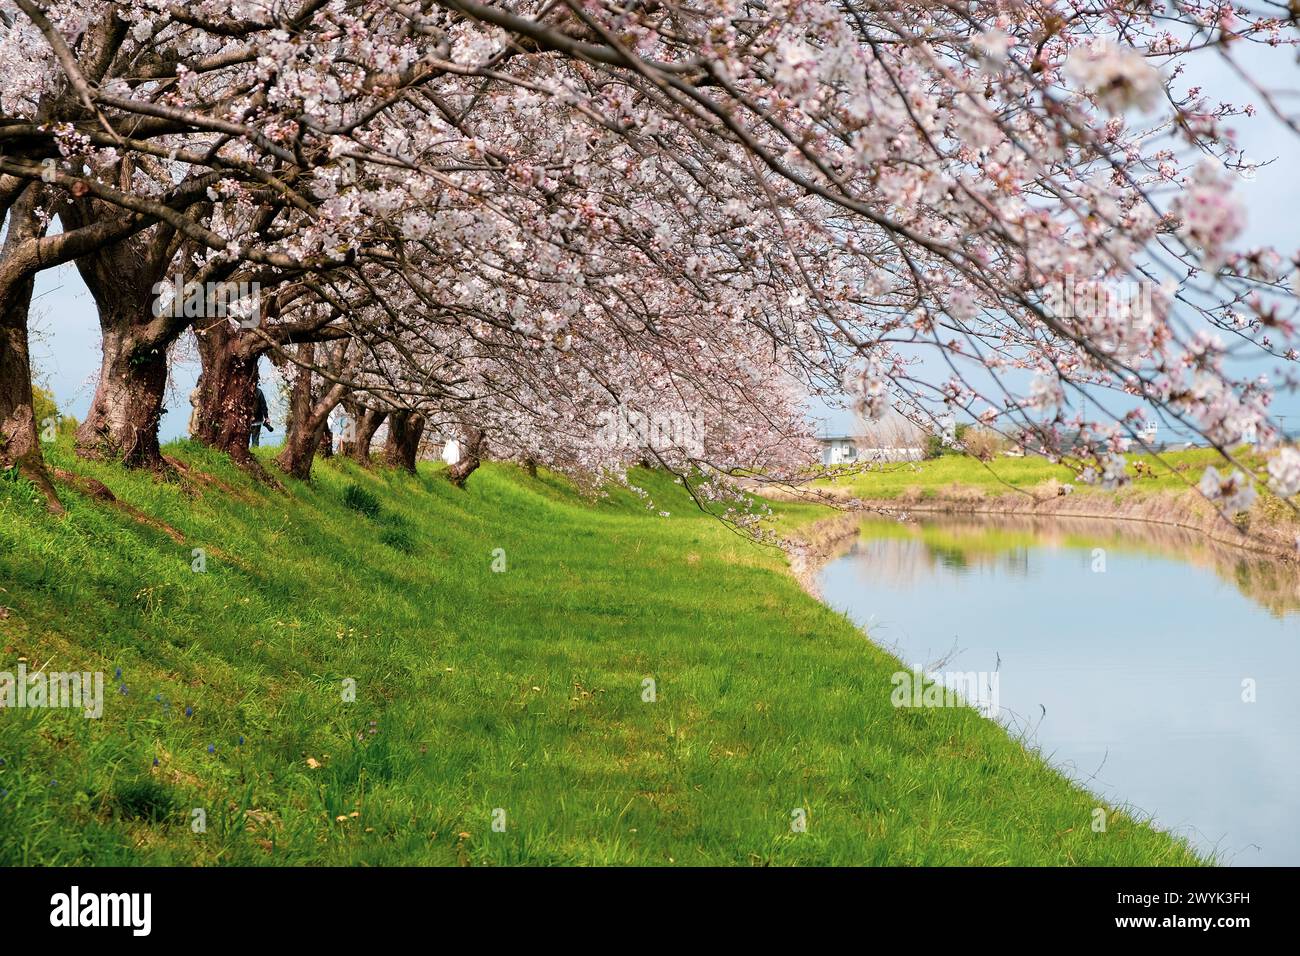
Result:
477,691
1161,490
1173,471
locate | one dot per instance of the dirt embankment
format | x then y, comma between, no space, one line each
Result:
811,546
1259,530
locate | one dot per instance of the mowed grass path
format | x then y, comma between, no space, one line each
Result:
478,692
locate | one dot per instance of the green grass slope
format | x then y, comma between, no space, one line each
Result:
515,695
1171,471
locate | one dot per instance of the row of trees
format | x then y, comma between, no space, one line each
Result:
532,224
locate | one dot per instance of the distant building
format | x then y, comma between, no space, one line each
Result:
838,450
845,450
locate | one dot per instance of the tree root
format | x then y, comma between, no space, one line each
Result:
97,490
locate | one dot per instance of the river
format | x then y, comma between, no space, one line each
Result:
1155,668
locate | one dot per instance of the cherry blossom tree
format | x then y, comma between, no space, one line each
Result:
549,227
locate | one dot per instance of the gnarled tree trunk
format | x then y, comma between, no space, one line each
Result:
300,437
19,438
365,422
227,391
473,446
122,424
309,414
405,429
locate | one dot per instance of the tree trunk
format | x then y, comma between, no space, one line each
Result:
122,424
365,422
472,446
19,439
227,392
309,415
405,428
300,438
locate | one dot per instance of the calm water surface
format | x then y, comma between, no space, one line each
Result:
1129,678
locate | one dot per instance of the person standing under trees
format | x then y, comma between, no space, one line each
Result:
261,417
